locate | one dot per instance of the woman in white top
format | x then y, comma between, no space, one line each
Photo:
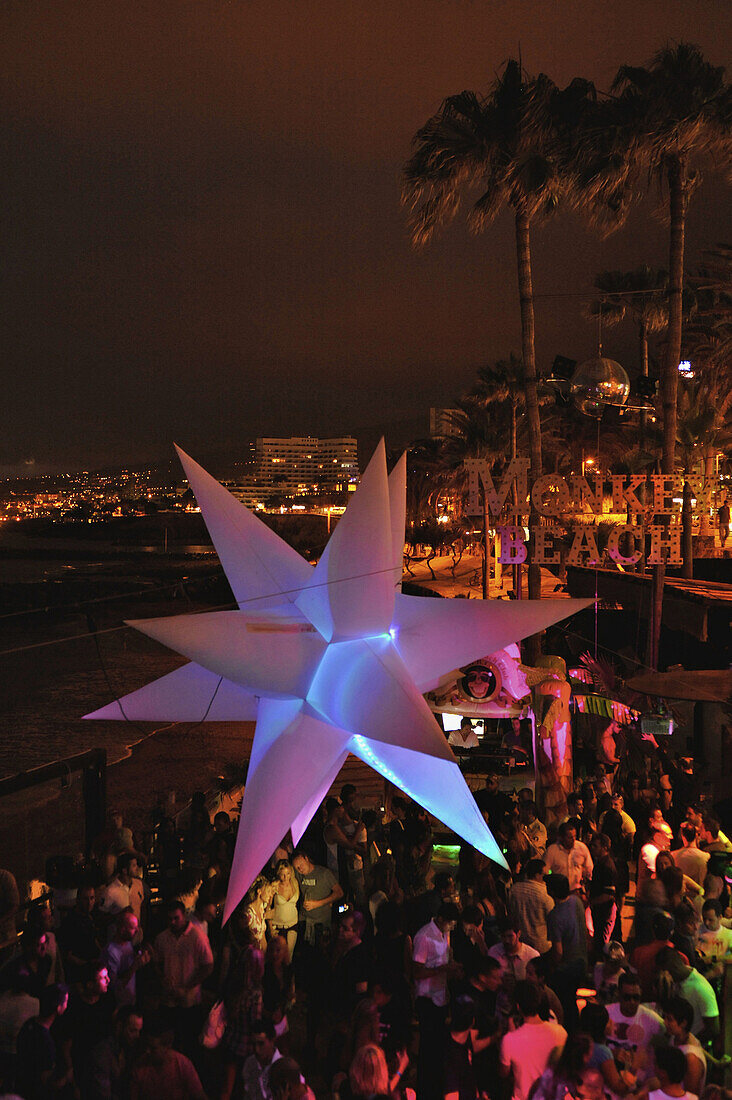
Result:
282,915
678,1016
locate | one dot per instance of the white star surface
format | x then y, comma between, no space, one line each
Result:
330,660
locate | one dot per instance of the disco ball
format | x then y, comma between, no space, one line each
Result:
597,383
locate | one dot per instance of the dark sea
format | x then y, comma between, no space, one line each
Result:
64,648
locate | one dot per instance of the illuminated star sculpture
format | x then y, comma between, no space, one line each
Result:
329,660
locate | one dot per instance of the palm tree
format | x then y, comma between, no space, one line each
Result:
640,293
436,537
705,421
509,144
708,341
476,433
425,479
569,434
675,110
501,387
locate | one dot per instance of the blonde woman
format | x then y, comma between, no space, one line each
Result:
369,1075
282,914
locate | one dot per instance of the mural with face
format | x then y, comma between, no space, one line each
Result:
492,687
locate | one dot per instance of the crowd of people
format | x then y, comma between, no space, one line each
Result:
357,966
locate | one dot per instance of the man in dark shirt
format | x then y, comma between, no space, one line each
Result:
222,834
394,1009
603,894
78,934
426,907
37,1066
483,986
493,803
32,966
460,1081
110,1063
350,977
87,1021
468,942
319,889
396,832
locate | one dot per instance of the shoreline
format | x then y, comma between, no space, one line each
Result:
133,746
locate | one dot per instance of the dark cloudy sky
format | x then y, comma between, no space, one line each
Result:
201,231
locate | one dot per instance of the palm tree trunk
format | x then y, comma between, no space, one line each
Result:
526,302
486,548
643,339
670,378
642,420
670,382
687,539
705,527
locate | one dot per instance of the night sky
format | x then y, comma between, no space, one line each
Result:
202,235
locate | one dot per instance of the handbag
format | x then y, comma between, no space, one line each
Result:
215,1026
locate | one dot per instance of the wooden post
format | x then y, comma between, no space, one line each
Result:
94,788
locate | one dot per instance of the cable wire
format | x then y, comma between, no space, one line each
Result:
202,611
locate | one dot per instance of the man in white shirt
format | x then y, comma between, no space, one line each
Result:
511,953
125,890
432,966
255,1071
634,1028
465,737
526,1051
185,960
713,941
569,856
659,842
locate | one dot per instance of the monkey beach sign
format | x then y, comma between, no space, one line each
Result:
581,503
